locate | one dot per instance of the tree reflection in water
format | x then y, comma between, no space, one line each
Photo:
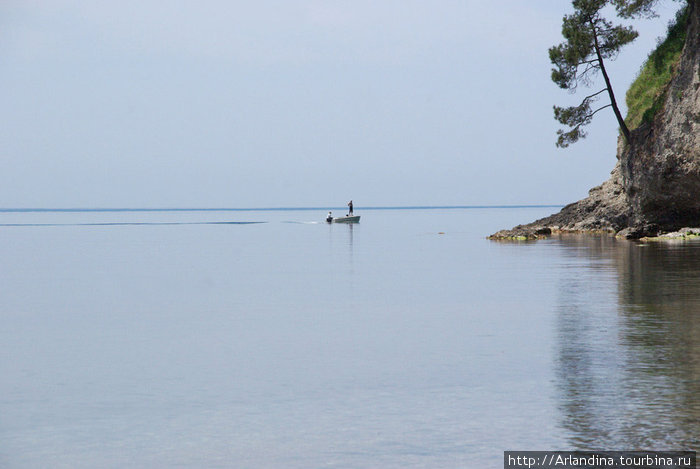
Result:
628,351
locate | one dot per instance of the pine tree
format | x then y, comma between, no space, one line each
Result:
590,40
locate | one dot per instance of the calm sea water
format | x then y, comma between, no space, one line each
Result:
168,339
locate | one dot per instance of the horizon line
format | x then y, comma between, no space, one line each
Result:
269,209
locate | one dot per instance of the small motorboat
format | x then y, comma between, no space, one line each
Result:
346,219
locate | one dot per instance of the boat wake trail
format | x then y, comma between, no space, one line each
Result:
304,222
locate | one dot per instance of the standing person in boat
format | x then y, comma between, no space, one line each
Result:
329,218
350,207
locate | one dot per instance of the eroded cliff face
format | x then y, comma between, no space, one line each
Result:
661,167
655,185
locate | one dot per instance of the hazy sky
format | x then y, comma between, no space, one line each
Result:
267,103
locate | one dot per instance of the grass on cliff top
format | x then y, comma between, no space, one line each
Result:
647,93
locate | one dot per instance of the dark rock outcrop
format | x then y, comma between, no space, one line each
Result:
655,185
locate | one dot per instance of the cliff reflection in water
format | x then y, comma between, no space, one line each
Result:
628,351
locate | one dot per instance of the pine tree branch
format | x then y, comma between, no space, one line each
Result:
599,109
586,62
594,94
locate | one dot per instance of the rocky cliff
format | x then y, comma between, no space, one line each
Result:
655,185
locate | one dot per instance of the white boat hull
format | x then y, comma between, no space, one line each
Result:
348,219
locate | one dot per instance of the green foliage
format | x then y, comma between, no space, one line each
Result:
648,92
575,117
587,35
635,8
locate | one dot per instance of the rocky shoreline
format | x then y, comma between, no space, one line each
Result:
527,233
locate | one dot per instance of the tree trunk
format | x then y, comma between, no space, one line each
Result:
613,102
